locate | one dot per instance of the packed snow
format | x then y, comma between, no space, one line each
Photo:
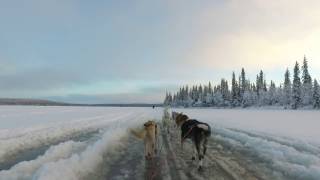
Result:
286,141
48,143
41,126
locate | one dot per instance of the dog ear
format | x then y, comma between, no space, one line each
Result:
184,117
146,124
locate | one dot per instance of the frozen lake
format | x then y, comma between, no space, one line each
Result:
40,142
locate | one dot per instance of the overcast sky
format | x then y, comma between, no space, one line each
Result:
133,51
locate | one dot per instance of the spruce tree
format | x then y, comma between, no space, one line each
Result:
306,78
166,99
272,93
306,90
296,87
316,95
224,91
287,89
242,84
234,91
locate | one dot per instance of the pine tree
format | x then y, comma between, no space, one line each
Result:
260,83
316,95
287,89
210,88
224,88
234,91
166,100
306,89
243,85
272,94
306,78
296,87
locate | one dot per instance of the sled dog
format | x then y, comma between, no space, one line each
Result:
149,135
198,132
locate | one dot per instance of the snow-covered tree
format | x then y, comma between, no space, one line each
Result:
272,97
316,95
306,89
224,88
218,99
243,85
260,83
292,93
287,89
249,98
296,87
168,99
234,91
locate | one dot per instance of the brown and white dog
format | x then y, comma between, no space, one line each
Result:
149,135
197,131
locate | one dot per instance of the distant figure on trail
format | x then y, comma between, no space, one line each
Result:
153,107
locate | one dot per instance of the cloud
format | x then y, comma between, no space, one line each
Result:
253,34
65,48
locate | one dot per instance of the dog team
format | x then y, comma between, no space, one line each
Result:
198,132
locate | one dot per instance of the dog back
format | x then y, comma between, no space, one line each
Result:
192,126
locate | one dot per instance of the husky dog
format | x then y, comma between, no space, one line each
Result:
149,135
197,131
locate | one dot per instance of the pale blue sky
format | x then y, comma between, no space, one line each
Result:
133,51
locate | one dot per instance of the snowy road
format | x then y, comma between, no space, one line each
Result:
92,143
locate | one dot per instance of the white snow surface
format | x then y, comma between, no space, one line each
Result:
286,141
23,128
298,124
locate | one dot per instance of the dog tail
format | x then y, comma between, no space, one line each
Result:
140,134
206,128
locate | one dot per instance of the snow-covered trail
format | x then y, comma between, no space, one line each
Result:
93,143
61,142
232,154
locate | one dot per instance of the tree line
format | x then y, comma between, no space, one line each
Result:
299,92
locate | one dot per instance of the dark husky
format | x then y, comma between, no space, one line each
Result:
197,131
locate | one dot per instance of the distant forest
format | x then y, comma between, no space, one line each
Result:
299,92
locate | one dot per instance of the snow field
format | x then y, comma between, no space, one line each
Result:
286,141
72,160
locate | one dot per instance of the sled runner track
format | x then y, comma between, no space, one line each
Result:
170,156
231,165
182,167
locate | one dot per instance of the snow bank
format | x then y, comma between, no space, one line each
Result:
80,165
25,170
279,157
16,139
286,141
70,160
297,124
